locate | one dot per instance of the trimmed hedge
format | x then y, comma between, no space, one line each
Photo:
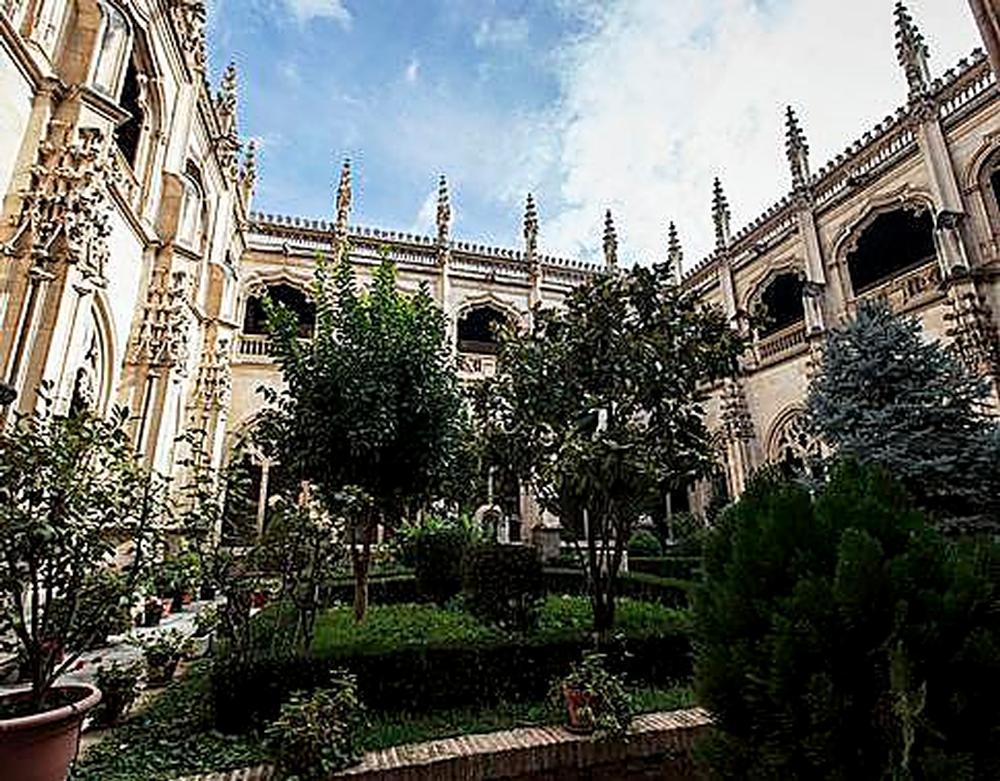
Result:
503,584
382,590
438,564
678,567
247,695
669,592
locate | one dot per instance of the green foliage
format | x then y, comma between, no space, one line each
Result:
503,585
596,698
171,738
119,685
104,605
687,568
884,396
177,574
372,402
316,734
599,405
420,658
163,651
438,550
70,494
644,543
843,636
669,592
206,621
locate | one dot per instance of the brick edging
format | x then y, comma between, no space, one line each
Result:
514,752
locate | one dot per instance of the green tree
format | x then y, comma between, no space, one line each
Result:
599,404
843,636
71,498
372,404
885,396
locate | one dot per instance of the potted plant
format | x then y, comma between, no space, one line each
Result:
593,699
152,612
71,495
119,685
163,653
176,577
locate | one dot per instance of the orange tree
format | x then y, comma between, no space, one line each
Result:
599,405
371,415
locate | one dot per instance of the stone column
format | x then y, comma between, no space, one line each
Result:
987,14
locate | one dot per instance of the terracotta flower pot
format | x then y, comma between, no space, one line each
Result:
42,746
579,709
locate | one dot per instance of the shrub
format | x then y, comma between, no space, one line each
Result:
316,734
669,592
596,699
382,590
419,658
644,543
503,585
163,652
676,567
843,636
104,609
438,563
119,685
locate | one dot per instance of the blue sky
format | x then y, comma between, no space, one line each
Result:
628,104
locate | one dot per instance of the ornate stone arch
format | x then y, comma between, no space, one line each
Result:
478,304
905,199
790,445
754,302
982,176
94,375
255,285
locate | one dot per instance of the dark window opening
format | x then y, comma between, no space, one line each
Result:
127,135
895,242
479,331
781,304
995,181
255,320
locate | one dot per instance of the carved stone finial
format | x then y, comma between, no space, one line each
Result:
227,97
443,211
912,52
249,175
189,19
675,253
797,149
530,228
721,216
343,203
610,242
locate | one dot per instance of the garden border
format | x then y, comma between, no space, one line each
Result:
666,737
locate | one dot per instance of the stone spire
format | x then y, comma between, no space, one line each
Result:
675,253
797,149
343,204
226,100
610,242
248,175
721,216
912,52
530,228
443,211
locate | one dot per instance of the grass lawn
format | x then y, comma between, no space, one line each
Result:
174,736
391,626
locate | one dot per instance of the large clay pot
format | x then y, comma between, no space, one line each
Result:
42,747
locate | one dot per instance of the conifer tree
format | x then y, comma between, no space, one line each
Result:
885,396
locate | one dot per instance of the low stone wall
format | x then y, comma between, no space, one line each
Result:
659,747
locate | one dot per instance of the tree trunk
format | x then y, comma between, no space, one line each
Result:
361,559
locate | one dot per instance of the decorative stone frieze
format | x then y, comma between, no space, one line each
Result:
162,335
65,211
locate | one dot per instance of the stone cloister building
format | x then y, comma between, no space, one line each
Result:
132,264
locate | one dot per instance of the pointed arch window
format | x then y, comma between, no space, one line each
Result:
780,304
191,224
113,45
129,133
893,243
479,330
255,318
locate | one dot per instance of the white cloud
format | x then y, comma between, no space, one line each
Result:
501,32
306,10
661,95
412,72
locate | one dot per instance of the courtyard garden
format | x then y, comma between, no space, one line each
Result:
838,620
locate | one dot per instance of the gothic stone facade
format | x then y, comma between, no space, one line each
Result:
131,264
